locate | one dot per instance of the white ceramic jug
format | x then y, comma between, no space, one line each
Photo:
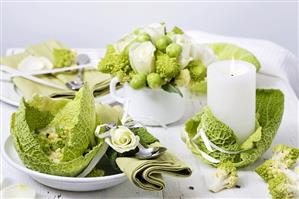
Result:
150,106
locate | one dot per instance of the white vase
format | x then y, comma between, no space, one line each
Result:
151,106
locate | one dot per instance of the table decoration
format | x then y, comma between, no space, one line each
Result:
153,58
215,142
68,138
60,57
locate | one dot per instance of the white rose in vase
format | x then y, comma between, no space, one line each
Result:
142,57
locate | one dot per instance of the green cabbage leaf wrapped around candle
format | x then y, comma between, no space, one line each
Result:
56,136
269,111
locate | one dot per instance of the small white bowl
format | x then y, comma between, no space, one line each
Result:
60,182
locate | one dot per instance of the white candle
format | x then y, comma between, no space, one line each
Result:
231,95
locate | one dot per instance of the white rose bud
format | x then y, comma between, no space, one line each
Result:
186,44
142,57
124,42
155,30
122,139
200,52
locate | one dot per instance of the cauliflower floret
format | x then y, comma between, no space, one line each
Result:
226,177
285,185
117,64
285,155
167,67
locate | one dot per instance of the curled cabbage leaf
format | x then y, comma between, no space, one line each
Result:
227,51
56,136
269,109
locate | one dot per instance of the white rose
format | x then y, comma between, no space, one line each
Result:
185,42
142,57
155,30
200,52
122,139
124,42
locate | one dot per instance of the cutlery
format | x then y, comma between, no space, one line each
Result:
77,84
149,153
29,77
44,72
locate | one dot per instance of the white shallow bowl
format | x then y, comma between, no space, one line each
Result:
59,182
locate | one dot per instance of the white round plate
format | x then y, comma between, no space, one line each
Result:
59,182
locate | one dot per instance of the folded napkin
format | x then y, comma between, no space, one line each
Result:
275,60
97,80
147,174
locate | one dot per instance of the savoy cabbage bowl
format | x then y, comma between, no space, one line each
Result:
56,136
269,112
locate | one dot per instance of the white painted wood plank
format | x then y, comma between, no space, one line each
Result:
251,184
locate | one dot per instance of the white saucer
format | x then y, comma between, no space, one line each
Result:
59,182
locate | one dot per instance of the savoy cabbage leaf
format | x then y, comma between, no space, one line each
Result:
76,116
269,108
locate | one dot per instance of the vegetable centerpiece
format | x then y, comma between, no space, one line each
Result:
78,138
156,58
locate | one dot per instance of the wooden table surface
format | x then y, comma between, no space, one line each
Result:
193,187
251,185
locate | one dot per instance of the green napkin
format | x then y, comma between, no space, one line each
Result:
147,174
98,81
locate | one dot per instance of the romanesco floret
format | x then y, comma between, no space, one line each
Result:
285,185
269,169
197,70
226,177
167,67
115,63
63,57
285,155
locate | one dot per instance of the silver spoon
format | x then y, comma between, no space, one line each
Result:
77,84
149,153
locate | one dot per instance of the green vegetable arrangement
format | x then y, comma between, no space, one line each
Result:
57,136
269,109
156,58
